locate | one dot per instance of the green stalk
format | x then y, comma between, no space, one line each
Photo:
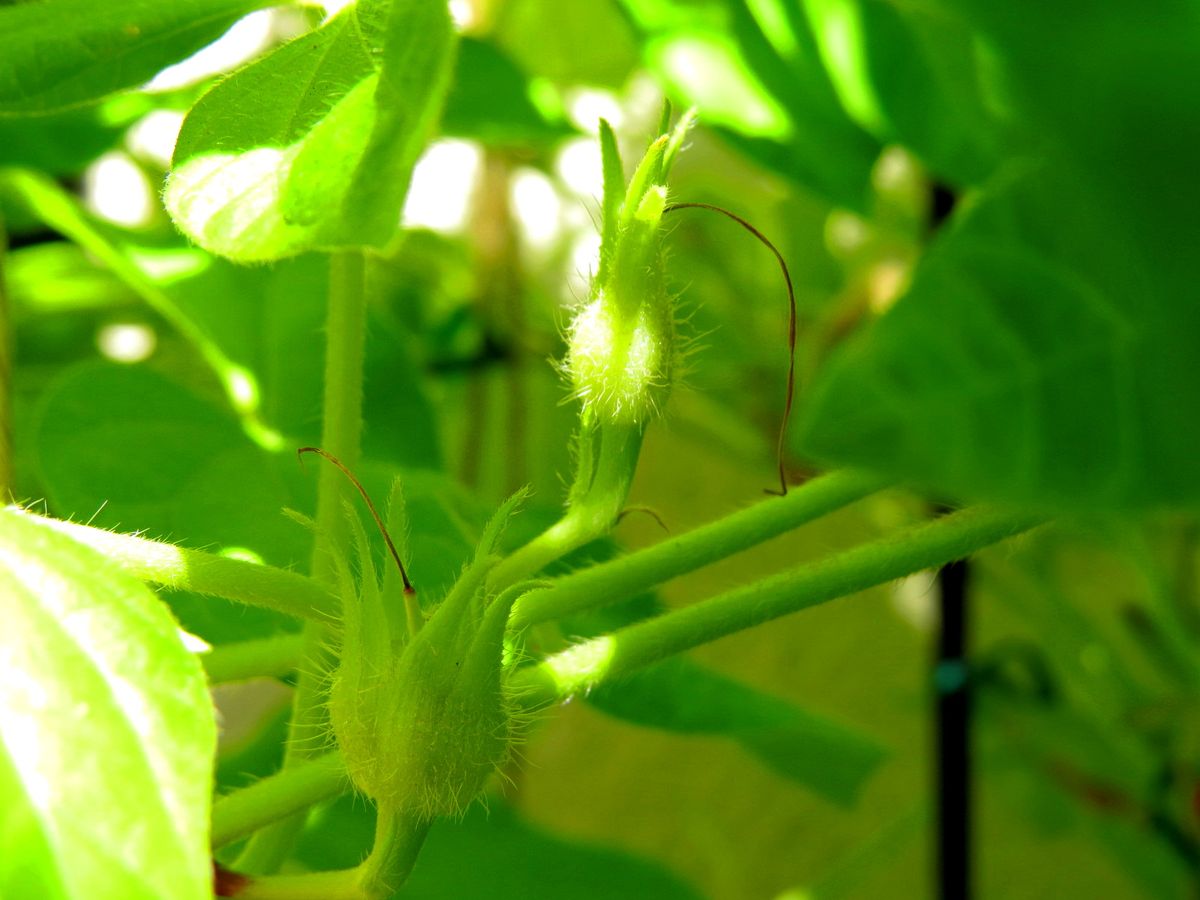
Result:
288,791
341,435
593,511
398,841
619,579
271,657
341,884
179,568
604,658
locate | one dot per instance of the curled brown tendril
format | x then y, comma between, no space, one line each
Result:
791,376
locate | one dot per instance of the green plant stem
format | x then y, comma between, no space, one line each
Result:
934,544
340,884
179,568
398,841
271,657
341,435
593,510
619,579
602,659
278,796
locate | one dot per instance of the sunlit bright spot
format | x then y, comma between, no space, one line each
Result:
463,13
166,265
443,184
537,207
914,600
580,167
845,233
587,106
895,170
153,137
194,643
247,38
126,342
889,279
245,554
582,664
115,189
584,260
242,388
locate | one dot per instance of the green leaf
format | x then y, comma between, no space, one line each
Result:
312,147
1040,357
27,865
105,721
680,695
913,76
761,82
66,53
128,449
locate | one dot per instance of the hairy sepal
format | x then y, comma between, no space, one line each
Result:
423,725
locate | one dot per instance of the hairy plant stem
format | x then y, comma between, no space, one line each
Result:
340,884
927,546
341,436
289,791
398,841
271,657
593,662
398,838
596,499
180,568
619,579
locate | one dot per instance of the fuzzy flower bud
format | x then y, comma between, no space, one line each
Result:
423,722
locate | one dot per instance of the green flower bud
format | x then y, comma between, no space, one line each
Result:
621,355
423,721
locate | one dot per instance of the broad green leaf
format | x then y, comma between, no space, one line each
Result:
680,695
65,53
105,721
510,859
27,865
130,450
1039,357
312,147
913,76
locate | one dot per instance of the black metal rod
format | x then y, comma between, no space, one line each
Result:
952,687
